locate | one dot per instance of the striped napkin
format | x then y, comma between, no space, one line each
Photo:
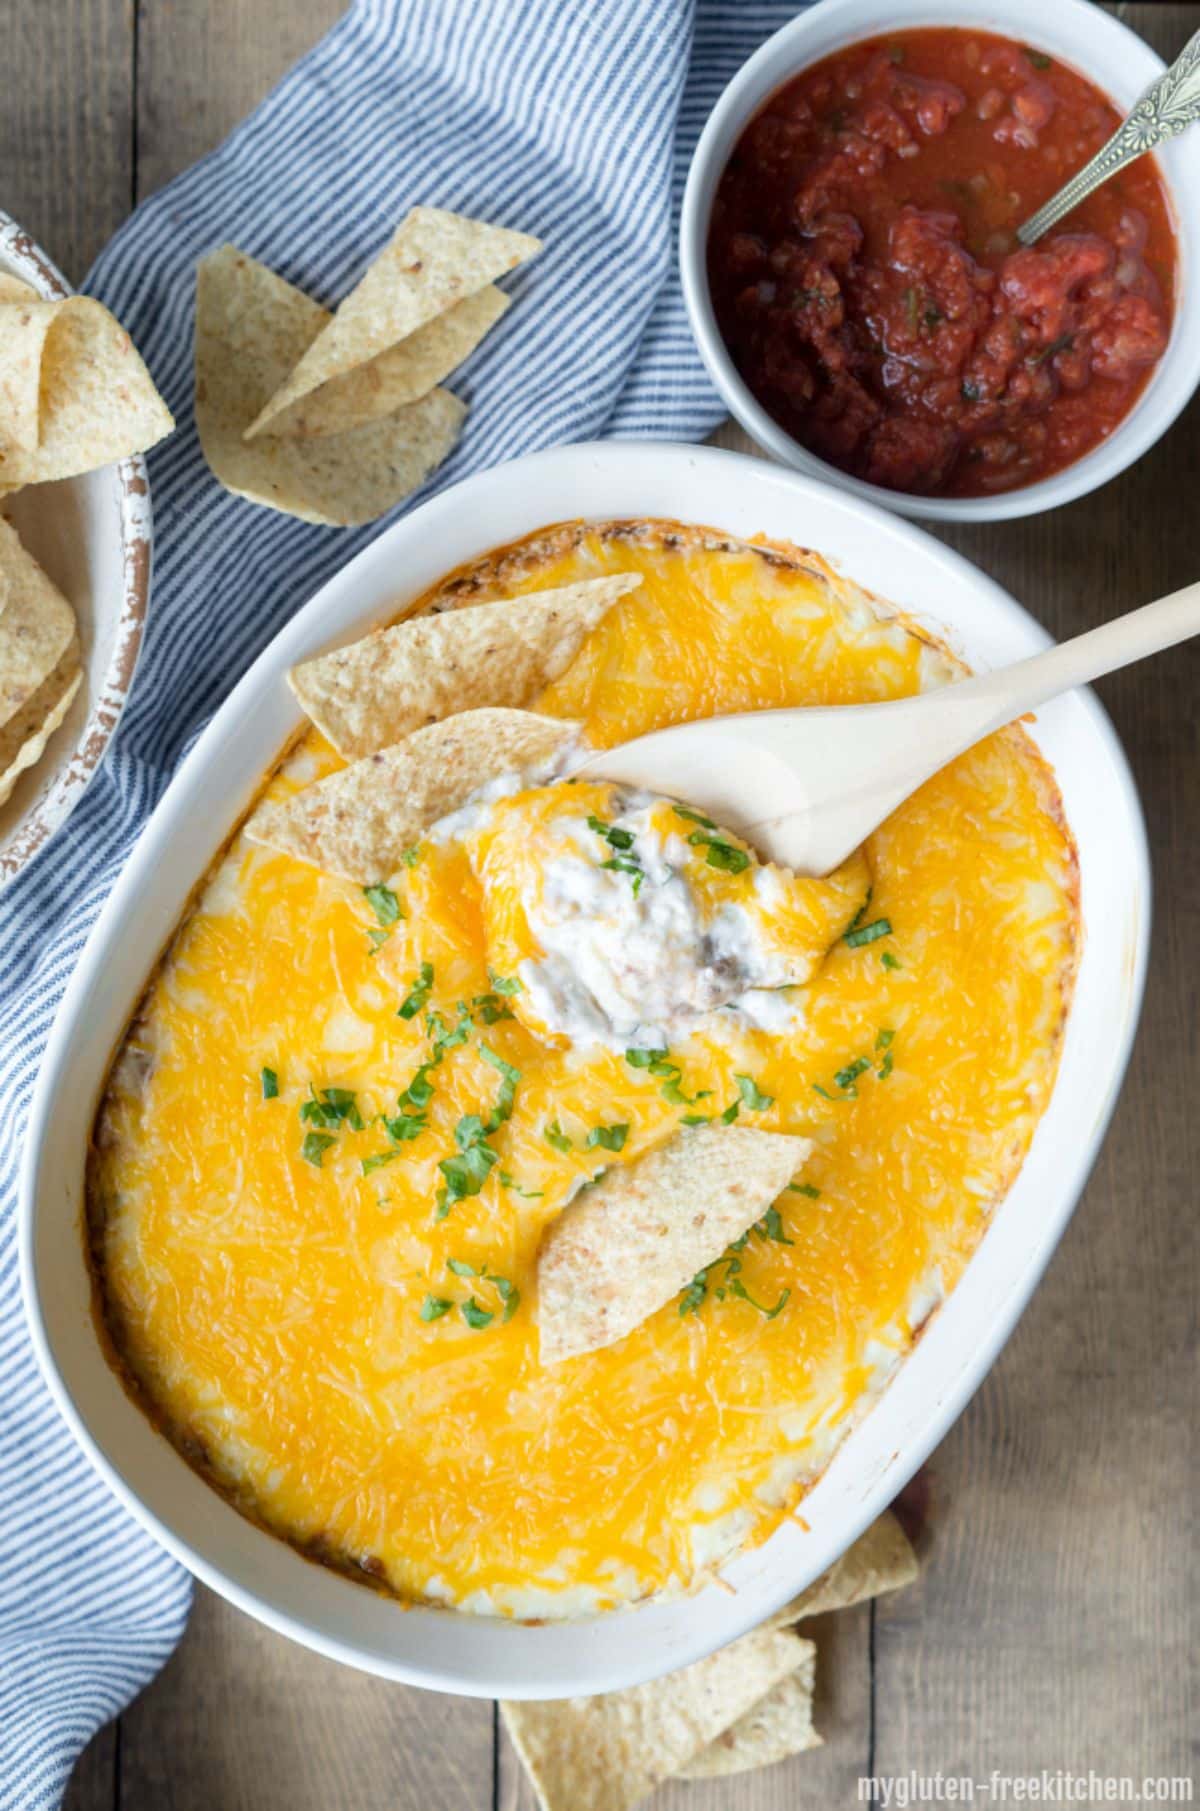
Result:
575,123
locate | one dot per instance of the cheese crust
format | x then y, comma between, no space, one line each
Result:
267,1311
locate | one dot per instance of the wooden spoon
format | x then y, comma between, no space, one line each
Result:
806,787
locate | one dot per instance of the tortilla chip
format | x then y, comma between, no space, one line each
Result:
378,690
779,1725
359,822
25,320
37,625
398,376
435,260
608,1753
251,328
24,737
96,400
880,1560
623,1248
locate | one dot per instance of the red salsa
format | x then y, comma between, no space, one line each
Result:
867,278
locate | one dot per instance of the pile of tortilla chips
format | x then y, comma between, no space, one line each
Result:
747,1706
74,395
428,711
336,418
40,668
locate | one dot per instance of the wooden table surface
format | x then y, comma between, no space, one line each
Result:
1053,1624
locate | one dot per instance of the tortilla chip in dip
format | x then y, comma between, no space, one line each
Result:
880,1560
434,261
378,690
398,376
359,822
624,1247
37,625
251,330
607,1753
24,737
95,400
779,1725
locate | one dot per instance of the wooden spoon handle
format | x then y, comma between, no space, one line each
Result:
1009,692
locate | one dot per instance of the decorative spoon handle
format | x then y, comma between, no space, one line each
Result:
1168,106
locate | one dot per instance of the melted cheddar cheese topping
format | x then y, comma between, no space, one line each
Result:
349,1347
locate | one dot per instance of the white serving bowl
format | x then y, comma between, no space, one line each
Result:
212,789
92,534
1072,31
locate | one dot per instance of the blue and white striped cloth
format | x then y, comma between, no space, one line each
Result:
574,122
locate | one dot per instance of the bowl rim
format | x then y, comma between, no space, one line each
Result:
50,812
707,1620
785,55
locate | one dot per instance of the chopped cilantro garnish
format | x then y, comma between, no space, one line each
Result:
731,1112
1038,58
885,1068
465,1174
384,904
806,1188
461,1268
377,939
771,1227
509,1294
884,1038
696,1119
315,1146
824,1092
270,1084
556,1138
377,1161
332,1108
509,1077
411,855
695,1293
503,984
474,1315
738,1288
443,1038
418,994
868,933
731,1282
401,1127
846,1078
694,817
619,864
752,1097
490,1008
609,1138
890,961
720,853
433,1307
659,1064
614,836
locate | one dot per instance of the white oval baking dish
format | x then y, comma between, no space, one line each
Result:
444,1649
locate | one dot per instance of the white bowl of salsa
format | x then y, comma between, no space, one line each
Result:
852,274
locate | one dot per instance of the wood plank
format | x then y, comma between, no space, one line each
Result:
93,1782
243,1720
202,68
66,124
